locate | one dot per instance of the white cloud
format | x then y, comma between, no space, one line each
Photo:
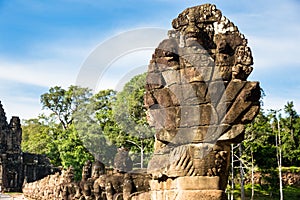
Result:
119,55
276,52
278,102
41,73
23,107
55,63
273,32
22,98
124,68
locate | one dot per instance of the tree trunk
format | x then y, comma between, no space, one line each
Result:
252,168
242,174
142,148
232,173
252,175
280,161
142,155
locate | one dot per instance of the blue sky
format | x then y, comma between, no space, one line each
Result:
45,43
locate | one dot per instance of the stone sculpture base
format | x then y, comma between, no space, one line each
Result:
189,194
183,188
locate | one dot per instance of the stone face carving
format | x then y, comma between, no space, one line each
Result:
122,161
198,101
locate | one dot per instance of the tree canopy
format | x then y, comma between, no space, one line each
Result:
84,126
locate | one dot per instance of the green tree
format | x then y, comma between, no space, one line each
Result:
66,106
40,136
277,129
84,126
130,115
259,138
260,151
290,136
72,151
104,101
63,103
92,121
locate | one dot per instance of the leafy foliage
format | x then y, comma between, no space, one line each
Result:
63,103
262,141
84,127
39,136
72,151
130,115
261,134
55,135
291,135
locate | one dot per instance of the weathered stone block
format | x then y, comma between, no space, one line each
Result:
197,183
214,132
199,187
190,134
165,118
190,94
198,115
193,50
222,108
166,63
157,164
172,77
198,60
187,183
186,135
199,195
154,80
152,67
250,93
190,116
162,63
196,74
216,89
250,114
167,48
208,116
141,196
233,132
149,100
233,89
167,135
165,97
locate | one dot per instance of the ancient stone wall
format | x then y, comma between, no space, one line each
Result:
16,166
95,184
288,178
198,101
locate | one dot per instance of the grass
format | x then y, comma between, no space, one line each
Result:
289,193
